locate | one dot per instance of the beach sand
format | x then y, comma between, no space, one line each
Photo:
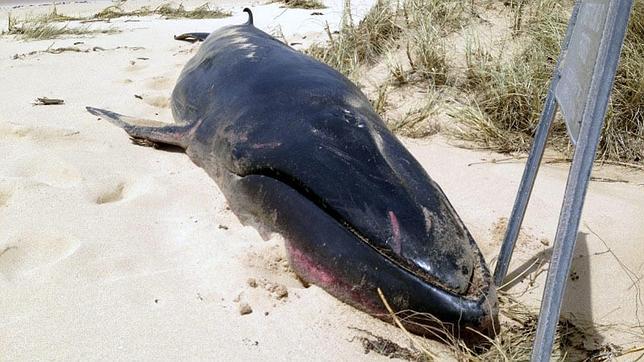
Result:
109,250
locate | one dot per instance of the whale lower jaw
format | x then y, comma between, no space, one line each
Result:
322,251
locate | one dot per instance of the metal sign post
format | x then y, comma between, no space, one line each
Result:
581,86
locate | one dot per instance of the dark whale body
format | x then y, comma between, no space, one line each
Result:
297,149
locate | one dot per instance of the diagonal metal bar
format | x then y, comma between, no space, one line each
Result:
532,164
577,185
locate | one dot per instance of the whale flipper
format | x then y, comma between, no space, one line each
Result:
149,130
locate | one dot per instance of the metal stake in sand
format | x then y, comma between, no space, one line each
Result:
581,86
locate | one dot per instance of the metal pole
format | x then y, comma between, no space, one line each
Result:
532,164
593,119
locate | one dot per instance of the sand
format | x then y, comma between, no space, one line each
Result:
109,250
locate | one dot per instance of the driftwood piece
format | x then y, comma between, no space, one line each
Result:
44,101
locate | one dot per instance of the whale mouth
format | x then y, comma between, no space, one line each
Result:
326,249
419,269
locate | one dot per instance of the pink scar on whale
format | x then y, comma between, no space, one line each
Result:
395,232
311,267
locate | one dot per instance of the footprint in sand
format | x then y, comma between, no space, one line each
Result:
157,101
35,161
136,65
111,194
28,253
38,134
159,83
47,169
116,189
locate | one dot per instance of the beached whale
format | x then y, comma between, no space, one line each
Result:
297,149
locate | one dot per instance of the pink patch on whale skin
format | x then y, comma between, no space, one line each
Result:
395,232
310,268
360,295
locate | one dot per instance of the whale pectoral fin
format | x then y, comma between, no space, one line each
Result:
146,129
192,37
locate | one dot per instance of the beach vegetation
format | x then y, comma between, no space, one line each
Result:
43,27
494,91
302,4
166,10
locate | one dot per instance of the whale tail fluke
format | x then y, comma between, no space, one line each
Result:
192,37
149,131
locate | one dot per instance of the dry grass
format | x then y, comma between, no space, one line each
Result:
417,123
41,28
302,4
55,16
118,10
427,23
166,10
623,136
508,94
502,91
360,44
574,340
380,103
417,26
421,25
399,75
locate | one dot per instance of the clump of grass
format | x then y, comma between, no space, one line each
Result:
40,28
574,340
514,342
55,16
419,27
480,129
117,11
167,10
40,31
303,4
504,92
428,23
415,123
623,136
201,12
422,24
398,73
380,103
508,93
518,8
428,55
360,44
12,23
